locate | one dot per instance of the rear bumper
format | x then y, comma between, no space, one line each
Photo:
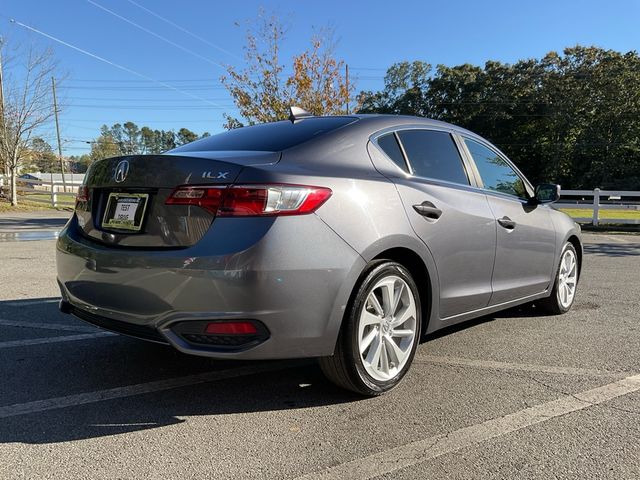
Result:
293,275
143,332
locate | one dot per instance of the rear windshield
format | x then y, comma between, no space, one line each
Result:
268,137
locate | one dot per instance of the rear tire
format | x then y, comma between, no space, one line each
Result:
566,281
380,332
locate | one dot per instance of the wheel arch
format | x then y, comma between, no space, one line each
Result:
422,276
409,252
575,241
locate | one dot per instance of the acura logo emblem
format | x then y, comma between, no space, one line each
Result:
121,171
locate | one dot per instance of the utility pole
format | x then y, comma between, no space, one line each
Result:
3,125
346,75
55,111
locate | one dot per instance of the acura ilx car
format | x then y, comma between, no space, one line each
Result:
346,238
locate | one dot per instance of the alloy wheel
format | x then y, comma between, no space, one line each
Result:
387,328
567,278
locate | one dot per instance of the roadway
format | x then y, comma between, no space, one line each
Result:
514,395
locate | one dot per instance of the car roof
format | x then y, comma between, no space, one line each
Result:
398,120
362,126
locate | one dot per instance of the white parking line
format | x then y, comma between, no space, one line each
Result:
29,236
134,424
521,367
27,303
64,338
47,326
433,447
138,389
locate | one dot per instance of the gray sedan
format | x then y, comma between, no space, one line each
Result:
346,238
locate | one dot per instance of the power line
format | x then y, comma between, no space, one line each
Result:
150,32
152,121
137,99
147,107
113,64
191,80
175,80
181,90
182,29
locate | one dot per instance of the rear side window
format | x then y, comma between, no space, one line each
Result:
268,137
496,174
389,145
433,154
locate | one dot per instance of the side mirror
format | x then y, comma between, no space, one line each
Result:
547,193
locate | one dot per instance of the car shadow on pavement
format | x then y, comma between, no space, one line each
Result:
52,371
521,311
612,249
298,387
56,370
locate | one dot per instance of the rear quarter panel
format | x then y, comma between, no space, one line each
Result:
365,209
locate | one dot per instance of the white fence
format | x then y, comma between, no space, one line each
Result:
41,191
595,200
598,200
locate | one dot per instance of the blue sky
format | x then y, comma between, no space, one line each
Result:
372,35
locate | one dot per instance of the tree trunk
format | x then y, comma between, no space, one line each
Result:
14,191
6,184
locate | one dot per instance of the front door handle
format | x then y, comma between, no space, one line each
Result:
507,223
428,209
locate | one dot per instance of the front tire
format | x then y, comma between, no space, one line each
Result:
566,281
380,332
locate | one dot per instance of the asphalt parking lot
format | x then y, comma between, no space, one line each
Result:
515,395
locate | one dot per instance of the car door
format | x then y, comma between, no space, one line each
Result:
452,218
525,233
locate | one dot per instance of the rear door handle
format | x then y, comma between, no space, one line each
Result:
507,223
428,209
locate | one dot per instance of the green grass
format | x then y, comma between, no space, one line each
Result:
23,206
44,197
604,214
26,202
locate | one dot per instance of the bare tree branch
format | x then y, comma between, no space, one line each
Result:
27,105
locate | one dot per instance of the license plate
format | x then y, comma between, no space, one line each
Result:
125,211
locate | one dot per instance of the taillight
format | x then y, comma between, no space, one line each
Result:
208,198
82,195
252,200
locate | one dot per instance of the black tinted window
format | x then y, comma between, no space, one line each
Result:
434,155
389,144
496,174
267,137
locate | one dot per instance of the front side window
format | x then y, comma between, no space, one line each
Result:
433,154
496,174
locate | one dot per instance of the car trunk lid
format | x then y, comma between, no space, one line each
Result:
126,196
